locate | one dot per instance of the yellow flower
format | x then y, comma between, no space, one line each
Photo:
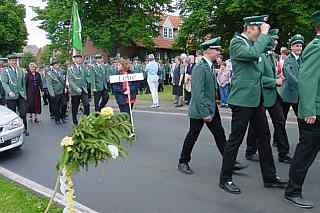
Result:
107,112
67,141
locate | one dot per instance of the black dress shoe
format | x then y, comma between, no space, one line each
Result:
253,157
299,202
277,183
26,133
285,159
185,168
238,166
230,187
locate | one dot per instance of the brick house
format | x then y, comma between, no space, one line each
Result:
168,30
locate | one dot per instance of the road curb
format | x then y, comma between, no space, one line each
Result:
42,190
225,116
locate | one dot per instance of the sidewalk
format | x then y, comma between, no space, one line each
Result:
169,107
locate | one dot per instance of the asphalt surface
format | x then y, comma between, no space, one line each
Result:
148,182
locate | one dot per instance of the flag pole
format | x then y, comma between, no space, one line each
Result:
130,108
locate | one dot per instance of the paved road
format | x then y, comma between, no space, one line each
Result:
148,181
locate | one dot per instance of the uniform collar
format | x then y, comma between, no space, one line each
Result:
245,36
208,61
13,68
295,56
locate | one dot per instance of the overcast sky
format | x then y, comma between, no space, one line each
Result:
36,35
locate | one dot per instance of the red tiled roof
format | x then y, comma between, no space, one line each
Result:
159,42
163,43
175,20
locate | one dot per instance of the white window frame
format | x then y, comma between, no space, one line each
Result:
168,32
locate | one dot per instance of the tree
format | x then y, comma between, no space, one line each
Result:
13,31
27,58
44,55
198,21
109,24
224,17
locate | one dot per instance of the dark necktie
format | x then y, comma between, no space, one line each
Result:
299,61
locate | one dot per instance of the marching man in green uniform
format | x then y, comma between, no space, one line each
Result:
99,74
309,120
272,102
138,68
14,83
77,77
56,87
291,66
203,108
245,101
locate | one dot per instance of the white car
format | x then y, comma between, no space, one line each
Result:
11,130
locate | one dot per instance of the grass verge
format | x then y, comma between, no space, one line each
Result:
165,96
17,199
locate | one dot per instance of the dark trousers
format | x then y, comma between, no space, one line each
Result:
161,88
47,100
75,102
19,105
280,133
216,129
89,90
2,101
100,99
241,116
51,105
306,152
59,109
46,96
125,108
146,86
286,108
141,86
187,96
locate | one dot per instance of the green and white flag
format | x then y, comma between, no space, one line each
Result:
76,28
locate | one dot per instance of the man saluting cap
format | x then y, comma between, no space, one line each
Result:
211,44
255,20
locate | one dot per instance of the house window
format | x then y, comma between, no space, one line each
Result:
167,32
170,33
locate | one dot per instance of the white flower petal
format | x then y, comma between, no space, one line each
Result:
114,151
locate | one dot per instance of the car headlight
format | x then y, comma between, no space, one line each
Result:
15,123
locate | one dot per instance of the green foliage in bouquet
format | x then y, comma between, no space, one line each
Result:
96,139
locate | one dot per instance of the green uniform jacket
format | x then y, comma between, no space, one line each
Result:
166,68
309,80
289,89
203,102
246,83
77,80
88,75
99,75
55,82
269,77
14,82
161,72
137,68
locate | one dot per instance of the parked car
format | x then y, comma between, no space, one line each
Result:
11,130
